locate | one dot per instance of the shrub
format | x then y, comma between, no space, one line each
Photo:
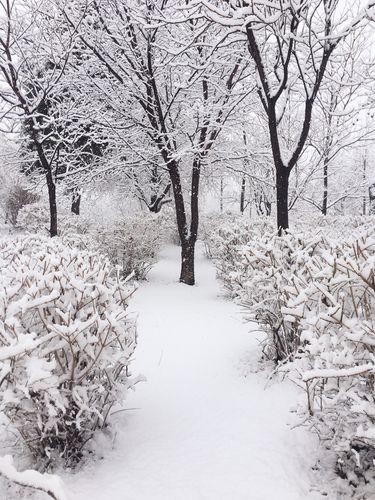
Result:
34,218
17,198
334,307
65,344
259,269
167,226
132,243
313,292
255,266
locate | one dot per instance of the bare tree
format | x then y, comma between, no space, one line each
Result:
180,93
291,44
32,65
342,119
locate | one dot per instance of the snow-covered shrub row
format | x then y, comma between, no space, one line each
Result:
17,198
224,237
334,227
35,218
314,296
256,267
65,344
131,243
332,305
50,484
253,263
259,270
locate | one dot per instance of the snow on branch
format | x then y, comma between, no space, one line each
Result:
334,373
49,483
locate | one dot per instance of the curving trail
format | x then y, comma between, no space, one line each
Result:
203,426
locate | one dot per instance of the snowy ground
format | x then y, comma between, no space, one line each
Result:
203,426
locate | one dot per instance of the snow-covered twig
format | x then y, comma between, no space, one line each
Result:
49,483
333,373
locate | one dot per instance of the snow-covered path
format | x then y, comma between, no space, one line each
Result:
203,426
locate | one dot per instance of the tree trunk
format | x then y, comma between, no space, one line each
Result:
52,204
187,243
364,201
267,206
371,195
328,146
221,195
187,275
242,198
325,186
282,194
49,180
157,201
76,203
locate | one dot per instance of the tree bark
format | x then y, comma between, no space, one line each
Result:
242,198
325,186
364,201
52,203
282,195
371,195
51,186
157,201
76,203
221,195
187,275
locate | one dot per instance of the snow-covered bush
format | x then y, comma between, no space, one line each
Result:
313,292
225,237
50,484
255,266
221,233
334,227
258,267
224,242
334,307
34,218
131,243
65,344
166,221
17,198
